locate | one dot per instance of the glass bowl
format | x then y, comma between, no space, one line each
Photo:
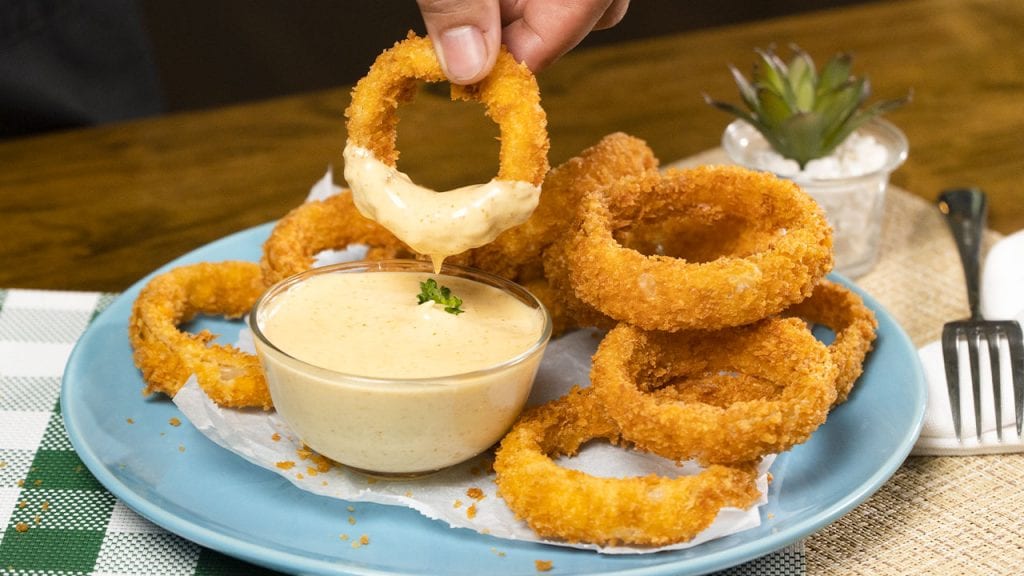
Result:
398,425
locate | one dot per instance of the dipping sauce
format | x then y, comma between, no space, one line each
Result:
438,224
367,376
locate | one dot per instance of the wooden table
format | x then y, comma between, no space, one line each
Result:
98,208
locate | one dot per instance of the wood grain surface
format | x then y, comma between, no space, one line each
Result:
97,209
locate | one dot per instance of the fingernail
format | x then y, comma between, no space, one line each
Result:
464,53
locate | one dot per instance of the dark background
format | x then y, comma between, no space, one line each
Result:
72,63
211,52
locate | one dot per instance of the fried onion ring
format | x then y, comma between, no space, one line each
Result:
516,253
558,264
854,325
331,223
167,356
631,363
570,505
478,213
658,292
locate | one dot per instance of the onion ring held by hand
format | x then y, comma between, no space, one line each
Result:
658,292
571,505
329,224
631,363
448,223
854,325
167,356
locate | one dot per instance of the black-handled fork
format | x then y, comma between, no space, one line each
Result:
966,211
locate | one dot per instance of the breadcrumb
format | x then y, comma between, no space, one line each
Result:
285,465
543,565
471,511
21,527
174,422
475,493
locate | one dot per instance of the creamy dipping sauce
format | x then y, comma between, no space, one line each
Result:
371,325
366,376
438,224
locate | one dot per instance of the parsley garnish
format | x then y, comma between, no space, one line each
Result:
430,291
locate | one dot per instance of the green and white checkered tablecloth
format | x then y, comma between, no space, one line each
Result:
55,518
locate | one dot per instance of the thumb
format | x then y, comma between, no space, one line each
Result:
466,35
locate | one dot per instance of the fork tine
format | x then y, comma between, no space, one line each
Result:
950,357
992,337
973,335
1016,342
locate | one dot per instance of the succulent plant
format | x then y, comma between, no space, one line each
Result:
802,113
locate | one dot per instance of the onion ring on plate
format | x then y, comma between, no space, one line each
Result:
630,363
570,505
167,356
853,324
659,292
515,253
329,224
448,223
633,189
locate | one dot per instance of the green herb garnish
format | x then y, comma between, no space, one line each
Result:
430,291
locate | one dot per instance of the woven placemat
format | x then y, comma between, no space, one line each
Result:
936,515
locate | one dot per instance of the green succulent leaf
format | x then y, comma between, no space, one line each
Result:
801,137
802,79
773,76
835,73
747,92
732,109
803,113
774,108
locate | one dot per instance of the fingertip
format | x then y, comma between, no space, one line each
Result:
464,54
614,14
466,35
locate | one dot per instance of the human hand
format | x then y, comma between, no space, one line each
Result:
467,33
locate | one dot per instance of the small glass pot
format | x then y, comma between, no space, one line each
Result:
854,205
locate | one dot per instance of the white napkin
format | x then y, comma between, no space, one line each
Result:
1002,298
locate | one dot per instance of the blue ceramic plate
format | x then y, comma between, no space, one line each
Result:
181,481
